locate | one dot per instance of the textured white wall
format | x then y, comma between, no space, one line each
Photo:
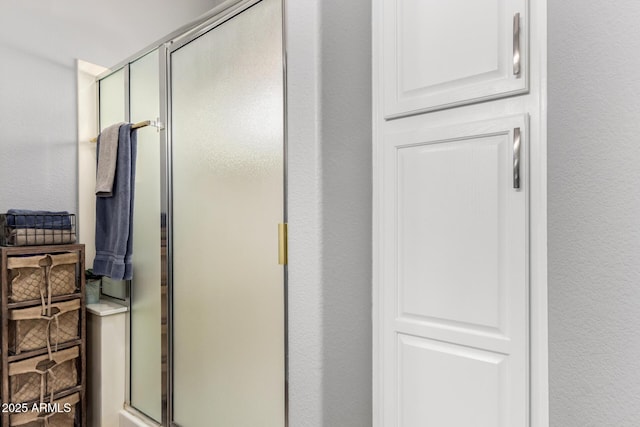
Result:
305,326
594,213
329,123
346,214
39,42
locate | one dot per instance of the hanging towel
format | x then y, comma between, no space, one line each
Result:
114,215
107,153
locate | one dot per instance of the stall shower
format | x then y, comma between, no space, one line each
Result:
207,300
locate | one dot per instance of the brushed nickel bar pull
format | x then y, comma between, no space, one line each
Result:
516,158
516,44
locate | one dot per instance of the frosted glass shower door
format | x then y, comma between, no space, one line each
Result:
228,196
145,348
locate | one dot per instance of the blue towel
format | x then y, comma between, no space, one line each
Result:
114,215
24,218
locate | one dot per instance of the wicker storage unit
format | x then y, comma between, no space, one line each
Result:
43,336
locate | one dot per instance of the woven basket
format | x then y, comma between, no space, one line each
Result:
59,419
28,327
40,376
36,277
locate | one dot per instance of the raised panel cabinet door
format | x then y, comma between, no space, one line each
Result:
454,281
439,54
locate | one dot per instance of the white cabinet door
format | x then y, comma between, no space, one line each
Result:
444,53
454,276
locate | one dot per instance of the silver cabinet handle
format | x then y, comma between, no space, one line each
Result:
516,44
516,158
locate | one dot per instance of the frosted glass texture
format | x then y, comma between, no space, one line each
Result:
112,110
228,289
146,286
112,99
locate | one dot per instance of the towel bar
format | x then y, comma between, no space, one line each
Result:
139,125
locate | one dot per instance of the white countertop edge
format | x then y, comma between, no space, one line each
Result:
106,308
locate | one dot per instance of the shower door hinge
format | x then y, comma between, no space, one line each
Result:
283,251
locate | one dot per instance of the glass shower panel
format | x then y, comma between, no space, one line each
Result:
112,99
112,110
228,184
147,285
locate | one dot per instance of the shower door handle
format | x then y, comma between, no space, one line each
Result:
283,250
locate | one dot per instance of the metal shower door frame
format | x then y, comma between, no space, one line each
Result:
165,47
167,174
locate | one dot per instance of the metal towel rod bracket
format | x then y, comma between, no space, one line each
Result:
155,123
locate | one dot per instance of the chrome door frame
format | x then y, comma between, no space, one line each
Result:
166,46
